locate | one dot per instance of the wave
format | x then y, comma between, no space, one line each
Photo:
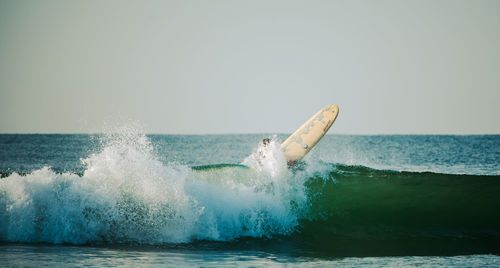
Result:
126,195
357,201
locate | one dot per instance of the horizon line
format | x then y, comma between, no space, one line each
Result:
256,133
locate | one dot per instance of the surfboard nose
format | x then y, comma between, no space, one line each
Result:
334,108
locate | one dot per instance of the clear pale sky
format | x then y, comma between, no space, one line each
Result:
200,67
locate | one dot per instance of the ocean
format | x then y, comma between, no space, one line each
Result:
124,198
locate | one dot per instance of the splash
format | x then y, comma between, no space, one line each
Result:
126,195
268,158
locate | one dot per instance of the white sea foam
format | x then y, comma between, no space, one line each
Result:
127,195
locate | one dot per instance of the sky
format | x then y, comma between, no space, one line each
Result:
222,67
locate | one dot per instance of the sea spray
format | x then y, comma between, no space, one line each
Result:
126,195
268,159
262,200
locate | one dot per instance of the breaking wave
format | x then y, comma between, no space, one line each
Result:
126,195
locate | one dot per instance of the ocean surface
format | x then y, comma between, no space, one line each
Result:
124,198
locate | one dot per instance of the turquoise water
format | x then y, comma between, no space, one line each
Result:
126,199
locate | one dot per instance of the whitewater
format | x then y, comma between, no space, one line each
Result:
126,195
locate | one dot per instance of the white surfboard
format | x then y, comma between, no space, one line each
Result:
304,138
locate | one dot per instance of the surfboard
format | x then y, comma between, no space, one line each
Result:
299,143
309,134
